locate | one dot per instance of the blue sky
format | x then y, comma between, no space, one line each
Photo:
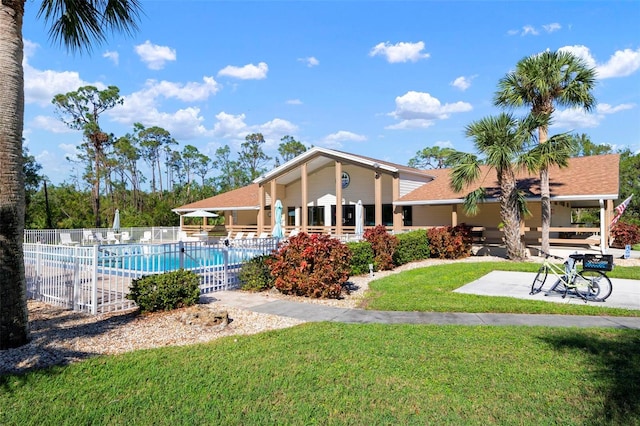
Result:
382,79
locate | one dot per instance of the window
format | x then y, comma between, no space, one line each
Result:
370,215
291,216
407,215
316,216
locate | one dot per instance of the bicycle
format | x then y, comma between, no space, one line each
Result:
591,283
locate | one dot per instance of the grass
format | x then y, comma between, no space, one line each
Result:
431,290
335,374
327,373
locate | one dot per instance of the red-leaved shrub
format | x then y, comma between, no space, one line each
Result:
450,242
383,245
311,265
625,233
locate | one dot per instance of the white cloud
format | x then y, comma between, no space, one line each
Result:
230,126
336,139
553,27
581,52
531,30
400,52
273,131
462,82
41,86
50,124
411,124
187,92
573,118
113,56
419,110
155,56
311,61
609,109
621,64
247,72
234,128
294,102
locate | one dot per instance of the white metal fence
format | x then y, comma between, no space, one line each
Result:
96,278
153,234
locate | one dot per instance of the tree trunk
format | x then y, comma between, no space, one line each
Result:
14,322
95,194
510,215
545,196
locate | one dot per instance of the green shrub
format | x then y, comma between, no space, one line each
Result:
412,246
361,257
450,242
311,265
256,275
383,245
164,292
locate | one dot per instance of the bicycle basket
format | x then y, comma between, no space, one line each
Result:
598,262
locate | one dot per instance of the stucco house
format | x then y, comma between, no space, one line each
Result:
320,188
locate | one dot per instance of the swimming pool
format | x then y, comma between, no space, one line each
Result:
169,257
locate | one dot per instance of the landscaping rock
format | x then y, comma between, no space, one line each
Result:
205,317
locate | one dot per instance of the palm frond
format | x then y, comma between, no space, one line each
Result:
472,199
465,171
76,24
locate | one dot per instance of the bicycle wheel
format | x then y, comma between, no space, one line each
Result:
539,280
593,285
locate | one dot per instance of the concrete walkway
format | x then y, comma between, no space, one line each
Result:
497,283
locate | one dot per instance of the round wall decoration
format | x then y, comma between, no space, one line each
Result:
346,179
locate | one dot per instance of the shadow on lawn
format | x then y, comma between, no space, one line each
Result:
617,366
47,348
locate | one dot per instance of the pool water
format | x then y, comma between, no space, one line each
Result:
159,258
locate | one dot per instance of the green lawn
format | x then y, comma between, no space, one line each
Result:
335,374
328,373
431,289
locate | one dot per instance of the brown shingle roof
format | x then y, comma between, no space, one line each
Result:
584,177
237,199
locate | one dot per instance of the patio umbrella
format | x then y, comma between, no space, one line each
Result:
277,228
359,224
200,213
116,221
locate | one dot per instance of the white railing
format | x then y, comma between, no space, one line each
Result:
96,279
156,234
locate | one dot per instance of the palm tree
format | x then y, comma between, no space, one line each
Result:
501,140
542,81
75,25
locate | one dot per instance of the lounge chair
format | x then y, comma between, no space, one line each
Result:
87,236
294,232
250,236
146,237
99,238
264,235
65,239
125,237
239,236
111,238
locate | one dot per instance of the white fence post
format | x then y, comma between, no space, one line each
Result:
94,281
